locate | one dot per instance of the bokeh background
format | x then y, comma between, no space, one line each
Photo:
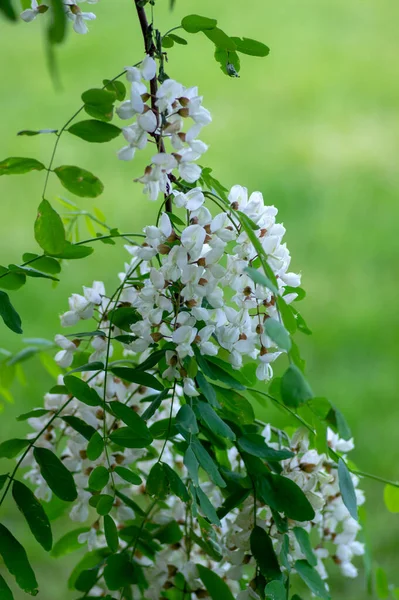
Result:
315,127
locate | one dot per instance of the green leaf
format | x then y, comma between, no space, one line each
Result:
196,23
207,508
68,543
167,42
30,272
98,96
155,404
263,552
222,371
186,420
381,583
176,484
99,478
303,540
347,489
11,448
207,463
295,390
30,133
129,502
8,313
217,588
128,475
11,280
49,229
57,28
312,579
278,334
220,39
251,47
391,498
137,376
131,419
5,592
19,166
103,503
178,39
82,391
95,446
128,438
235,406
111,533
95,131
117,87
214,422
158,482
79,181
254,444
191,464
3,479
284,495
34,514
80,426
74,251
56,475
261,279
170,533
7,9
16,561
275,590
119,571
207,389
86,579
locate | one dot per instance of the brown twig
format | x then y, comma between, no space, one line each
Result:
150,49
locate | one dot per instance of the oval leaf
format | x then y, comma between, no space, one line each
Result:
95,131
278,334
216,587
9,315
16,561
49,229
34,514
82,391
312,579
79,181
111,533
18,166
263,552
128,438
347,488
57,476
196,23
295,390
11,448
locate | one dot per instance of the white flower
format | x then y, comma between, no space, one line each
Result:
31,13
167,94
189,387
90,537
184,336
64,358
192,200
79,18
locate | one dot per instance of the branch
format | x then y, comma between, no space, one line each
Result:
150,49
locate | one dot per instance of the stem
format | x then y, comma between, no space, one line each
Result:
150,49
34,440
283,406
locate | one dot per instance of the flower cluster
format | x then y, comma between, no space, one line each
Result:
195,291
163,118
72,9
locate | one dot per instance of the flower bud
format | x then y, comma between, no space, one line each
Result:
164,249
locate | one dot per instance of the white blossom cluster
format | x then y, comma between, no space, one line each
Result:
163,119
72,9
219,306
333,531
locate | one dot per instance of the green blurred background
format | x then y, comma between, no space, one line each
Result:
314,126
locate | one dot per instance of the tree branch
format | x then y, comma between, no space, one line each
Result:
150,49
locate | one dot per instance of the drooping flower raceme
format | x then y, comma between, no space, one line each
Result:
172,473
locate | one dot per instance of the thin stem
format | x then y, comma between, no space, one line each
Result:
283,406
34,440
151,50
